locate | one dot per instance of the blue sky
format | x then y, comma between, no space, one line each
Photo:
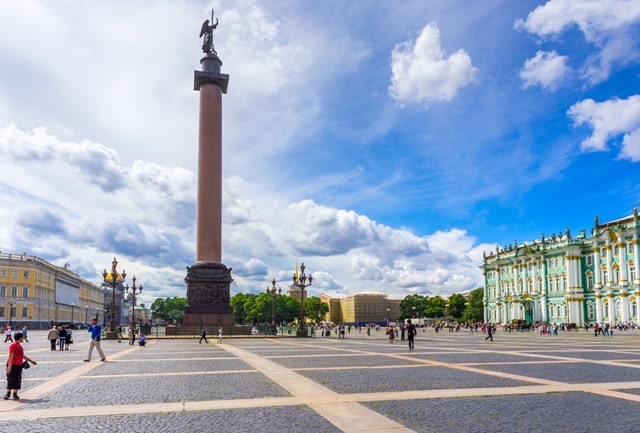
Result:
386,144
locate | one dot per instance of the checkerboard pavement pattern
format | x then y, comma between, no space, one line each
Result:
451,382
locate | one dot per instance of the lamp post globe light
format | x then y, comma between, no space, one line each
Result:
113,278
133,288
300,281
273,292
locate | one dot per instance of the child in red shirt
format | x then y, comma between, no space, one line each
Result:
14,366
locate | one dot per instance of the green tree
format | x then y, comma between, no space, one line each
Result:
434,308
456,306
238,302
290,308
171,310
474,311
413,306
315,309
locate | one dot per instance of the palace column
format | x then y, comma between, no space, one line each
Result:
597,278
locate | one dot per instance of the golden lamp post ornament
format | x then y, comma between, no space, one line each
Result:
113,278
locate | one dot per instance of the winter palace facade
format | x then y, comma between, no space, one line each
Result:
565,279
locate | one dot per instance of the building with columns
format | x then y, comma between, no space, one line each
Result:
363,308
37,293
564,279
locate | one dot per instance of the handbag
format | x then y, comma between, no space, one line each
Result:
26,365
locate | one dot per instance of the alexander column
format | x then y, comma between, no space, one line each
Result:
208,280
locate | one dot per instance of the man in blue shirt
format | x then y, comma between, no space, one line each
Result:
96,333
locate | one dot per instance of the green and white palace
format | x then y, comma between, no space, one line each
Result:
565,279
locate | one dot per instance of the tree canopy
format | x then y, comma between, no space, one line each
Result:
170,310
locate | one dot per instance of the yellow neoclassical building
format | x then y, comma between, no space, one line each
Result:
35,293
362,308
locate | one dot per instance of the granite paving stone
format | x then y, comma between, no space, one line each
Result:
554,413
404,379
319,384
578,372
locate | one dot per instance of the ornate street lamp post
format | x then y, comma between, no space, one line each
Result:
11,302
273,292
133,288
113,278
300,281
86,314
72,307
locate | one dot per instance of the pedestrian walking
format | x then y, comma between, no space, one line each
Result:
62,337
15,365
203,335
132,335
25,332
391,333
411,333
489,333
96,334
220,334
52,336
9,334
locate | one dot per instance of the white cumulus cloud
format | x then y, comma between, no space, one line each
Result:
608,120
545,69
609,25
421,70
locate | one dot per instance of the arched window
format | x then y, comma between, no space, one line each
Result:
590,310
589,281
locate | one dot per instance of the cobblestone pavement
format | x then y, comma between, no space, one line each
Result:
451,382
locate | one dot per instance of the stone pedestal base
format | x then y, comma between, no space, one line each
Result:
208,295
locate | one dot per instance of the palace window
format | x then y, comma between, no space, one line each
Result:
2,311
3,273
590,310
25,312
25,291
589,281
632,273
14,274
25,275
589,260
3,291
14,291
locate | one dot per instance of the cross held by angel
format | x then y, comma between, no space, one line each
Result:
207,31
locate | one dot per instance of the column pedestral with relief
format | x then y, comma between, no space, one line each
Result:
208,280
